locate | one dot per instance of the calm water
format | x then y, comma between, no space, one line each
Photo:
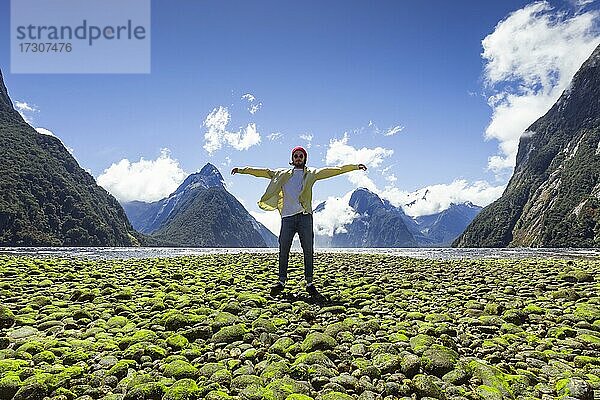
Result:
434,253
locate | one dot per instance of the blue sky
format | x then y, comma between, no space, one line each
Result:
342,72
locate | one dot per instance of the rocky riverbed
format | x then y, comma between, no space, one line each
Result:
204,327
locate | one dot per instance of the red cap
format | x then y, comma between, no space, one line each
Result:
295,149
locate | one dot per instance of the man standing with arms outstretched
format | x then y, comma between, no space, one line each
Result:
290,192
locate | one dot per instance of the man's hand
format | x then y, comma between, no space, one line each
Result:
234,171
362,167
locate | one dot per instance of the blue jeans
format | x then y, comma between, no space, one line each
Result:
303,224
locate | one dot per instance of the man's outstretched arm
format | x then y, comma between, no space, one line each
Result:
328,172
258,172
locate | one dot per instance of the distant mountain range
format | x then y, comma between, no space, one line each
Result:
553,196
200,213
46,198
380,224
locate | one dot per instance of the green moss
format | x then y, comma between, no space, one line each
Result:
44,356
117,322
9,385
263,324
183,389
252,297
397,337
489,393
282,345
275,370
318,341
180,369
241,382
587,312
507,384
562,332
120,368
229,334
426,386
533,309
148,390
298,396
223,319
177,342
32,347
387,362
210,368
174,320
420,343
336,396
315,357
7,317
218,395
581,361
72,357
143,335
439,360
590,340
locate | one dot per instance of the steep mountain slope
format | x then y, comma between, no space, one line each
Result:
200,213
552,199
46,198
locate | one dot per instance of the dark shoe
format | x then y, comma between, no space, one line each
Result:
277,289
314,293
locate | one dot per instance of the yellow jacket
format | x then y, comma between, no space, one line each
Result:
273,197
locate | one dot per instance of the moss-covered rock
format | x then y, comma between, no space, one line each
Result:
10,383
229,334
318,341
587,312
146,391
574,388
180,369
7,317
120,368
177,342
263,324
387,362
438,360
183,389
427,386
420,343
509,385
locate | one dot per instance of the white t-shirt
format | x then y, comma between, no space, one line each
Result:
291,194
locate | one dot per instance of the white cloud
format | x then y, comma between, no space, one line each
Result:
146,180
270,219
217,135
252,106
393,130
340,152
274,135
44,131
249,96
26,109
308,137
435,198
531,57
335,215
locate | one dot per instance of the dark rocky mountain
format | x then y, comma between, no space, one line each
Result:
553,196
46,198
381,224
200,213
